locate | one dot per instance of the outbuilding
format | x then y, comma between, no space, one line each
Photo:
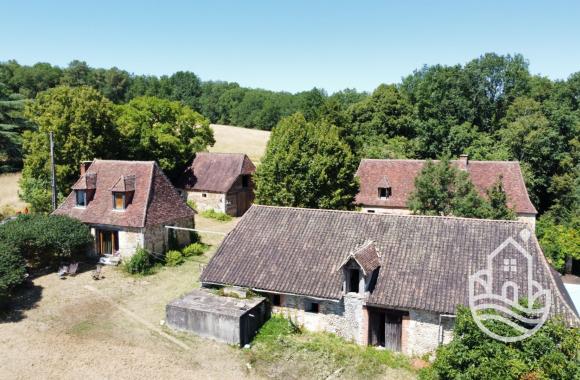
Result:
219,181
225,319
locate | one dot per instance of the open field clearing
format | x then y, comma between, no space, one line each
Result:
240,140
9,191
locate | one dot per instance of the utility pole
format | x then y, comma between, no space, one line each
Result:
53,179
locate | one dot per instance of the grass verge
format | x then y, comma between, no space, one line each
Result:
282,350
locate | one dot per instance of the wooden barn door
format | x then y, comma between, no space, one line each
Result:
242,203
385,328
393,331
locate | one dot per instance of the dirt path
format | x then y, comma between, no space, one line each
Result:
81,328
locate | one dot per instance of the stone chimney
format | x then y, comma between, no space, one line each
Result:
463,161
85,166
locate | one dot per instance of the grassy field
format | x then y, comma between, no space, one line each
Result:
240,140
9,191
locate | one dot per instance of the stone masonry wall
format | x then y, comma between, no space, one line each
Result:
423,334
156,237
216,201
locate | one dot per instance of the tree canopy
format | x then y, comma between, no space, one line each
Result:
443,189
83,123
162,130
306,164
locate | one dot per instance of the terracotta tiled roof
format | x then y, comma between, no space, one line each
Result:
215,172
425,261
400,174
87,181
367,257
154,201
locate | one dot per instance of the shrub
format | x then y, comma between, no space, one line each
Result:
551,353
217,215
46,239
173,258
139,263
192,204
194,249
12,270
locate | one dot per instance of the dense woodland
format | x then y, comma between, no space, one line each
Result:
491,108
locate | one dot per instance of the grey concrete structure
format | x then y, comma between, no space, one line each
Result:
225,319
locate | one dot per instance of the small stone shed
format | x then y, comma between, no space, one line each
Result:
219,181
225,319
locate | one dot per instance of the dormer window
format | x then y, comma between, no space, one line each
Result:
81,197
352,285
123,191
360,269
384,192
119,201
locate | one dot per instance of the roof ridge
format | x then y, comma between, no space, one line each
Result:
433,159
125,161
395,215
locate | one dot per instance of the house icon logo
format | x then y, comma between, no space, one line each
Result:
506,293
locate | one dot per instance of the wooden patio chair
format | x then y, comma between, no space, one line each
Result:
72,269
97,273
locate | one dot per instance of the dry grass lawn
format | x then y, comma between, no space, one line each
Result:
240,140
62,329
9,191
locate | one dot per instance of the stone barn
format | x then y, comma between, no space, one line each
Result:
385,185
127,204
392,281
219,181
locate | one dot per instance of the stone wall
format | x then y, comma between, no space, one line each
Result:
129,240
156,237
530,219
424,333
215,201
421,332
329,317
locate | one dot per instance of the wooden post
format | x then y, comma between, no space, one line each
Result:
53,179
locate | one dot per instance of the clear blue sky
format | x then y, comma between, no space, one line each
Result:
292,45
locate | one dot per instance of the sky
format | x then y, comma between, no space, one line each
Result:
291,45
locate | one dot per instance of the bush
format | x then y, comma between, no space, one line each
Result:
192,204
173,258
139,263
12,270
551,353
46,239
217,215
195,249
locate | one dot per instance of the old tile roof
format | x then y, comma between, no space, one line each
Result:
400,174
425,261
367,257
215,172
87,181
155,200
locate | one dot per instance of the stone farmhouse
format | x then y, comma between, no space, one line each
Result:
127,204
378,279
219,181
385,185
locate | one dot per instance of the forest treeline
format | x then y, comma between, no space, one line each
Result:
491,108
